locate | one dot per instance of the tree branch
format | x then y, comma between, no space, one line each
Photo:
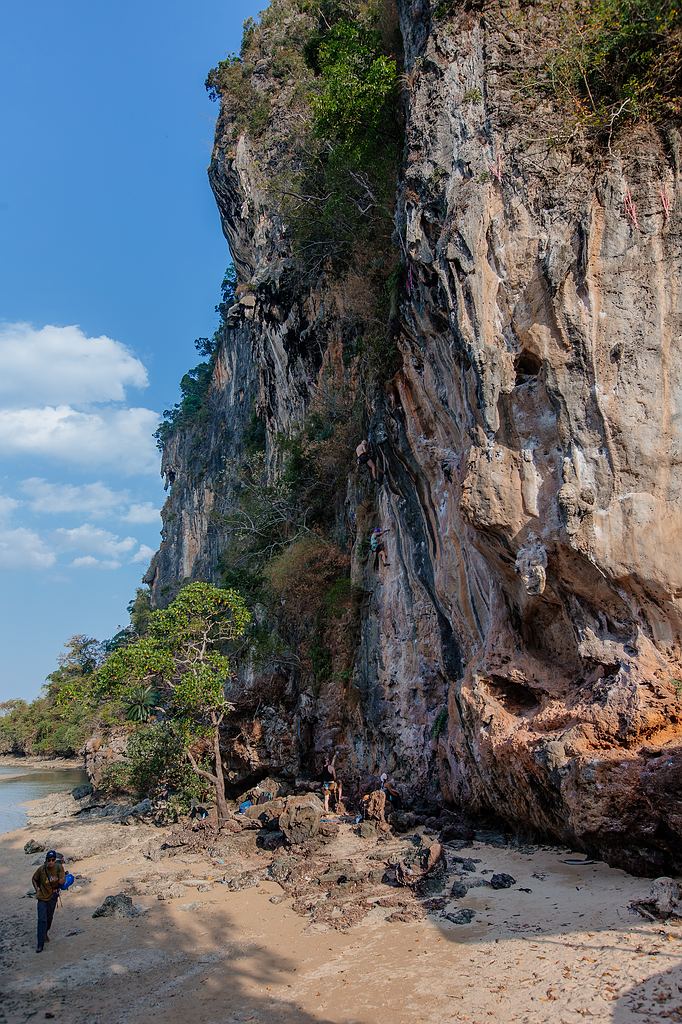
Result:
201,771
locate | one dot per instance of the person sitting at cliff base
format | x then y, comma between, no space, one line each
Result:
392,794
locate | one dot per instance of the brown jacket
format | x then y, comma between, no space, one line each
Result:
46,883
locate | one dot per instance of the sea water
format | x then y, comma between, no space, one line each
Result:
19,785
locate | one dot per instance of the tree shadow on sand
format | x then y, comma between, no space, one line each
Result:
658,1000
133,971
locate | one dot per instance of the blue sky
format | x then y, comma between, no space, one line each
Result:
111,258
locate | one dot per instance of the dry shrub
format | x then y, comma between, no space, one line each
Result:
301,576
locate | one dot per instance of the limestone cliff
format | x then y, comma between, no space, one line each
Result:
529,454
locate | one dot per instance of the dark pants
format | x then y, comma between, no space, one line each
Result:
46,909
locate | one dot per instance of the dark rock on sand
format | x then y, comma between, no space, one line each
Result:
464,916
117,906
502,881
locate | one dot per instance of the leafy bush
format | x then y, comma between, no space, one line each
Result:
341,207
355,107
439,724
316,606
139,703
301,575
193,390
255,435
139,610
154,765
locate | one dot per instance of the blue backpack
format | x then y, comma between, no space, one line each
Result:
68,877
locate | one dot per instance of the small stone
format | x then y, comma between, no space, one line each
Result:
32,846
502,881
245,880
459,890
464,916
276,899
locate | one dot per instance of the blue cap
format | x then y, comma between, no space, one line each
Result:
51,855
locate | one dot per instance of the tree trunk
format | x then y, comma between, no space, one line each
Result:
221,802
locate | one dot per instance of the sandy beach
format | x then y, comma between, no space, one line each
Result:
559,945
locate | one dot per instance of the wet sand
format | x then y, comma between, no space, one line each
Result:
567,951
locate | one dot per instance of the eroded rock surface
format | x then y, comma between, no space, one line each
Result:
529,449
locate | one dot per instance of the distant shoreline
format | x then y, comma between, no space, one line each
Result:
31,762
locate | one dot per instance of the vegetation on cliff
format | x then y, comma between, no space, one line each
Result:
318,84
331,75
602,66
195,383
621,59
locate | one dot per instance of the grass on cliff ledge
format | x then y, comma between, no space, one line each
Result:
605,64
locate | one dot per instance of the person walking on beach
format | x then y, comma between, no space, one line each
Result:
47,881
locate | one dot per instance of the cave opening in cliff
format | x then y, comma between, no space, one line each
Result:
527,366
514,697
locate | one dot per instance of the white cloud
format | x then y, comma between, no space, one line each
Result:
119,439
91,540
24,549
61,365
144,512
7,507
144,554
90,562
94,499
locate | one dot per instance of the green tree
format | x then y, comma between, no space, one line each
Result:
139,609
183,657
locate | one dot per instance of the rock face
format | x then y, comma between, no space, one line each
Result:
100,752
521,653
